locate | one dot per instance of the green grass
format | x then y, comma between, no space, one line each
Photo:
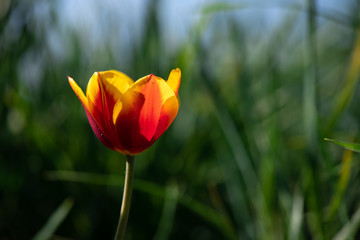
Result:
244,159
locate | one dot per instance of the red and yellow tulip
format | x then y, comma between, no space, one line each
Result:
129,116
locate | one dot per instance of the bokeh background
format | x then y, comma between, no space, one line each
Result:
263,83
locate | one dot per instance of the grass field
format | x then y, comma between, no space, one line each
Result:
263,83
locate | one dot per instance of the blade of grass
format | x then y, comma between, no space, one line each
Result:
347,145
85,177
297,215
348,230
310,83
311,128
342,183
235,189
55,220
217,7
168,213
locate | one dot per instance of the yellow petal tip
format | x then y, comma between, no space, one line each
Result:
79,93
174,80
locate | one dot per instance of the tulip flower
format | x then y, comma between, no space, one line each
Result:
129,116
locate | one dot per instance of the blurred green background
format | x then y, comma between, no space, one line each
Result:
263,82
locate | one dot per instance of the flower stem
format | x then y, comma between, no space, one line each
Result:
126,201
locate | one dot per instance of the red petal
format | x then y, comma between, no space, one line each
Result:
127,124
150,111
97,130
147,109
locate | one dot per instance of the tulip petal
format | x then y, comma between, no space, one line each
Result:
174,80
155,91
113,85
117,109
98,132
168,113
127,124
117,79
101,100
164,89
141,109
93,95
79,93
94,125
150,111
109,96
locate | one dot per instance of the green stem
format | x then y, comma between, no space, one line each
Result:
126,201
